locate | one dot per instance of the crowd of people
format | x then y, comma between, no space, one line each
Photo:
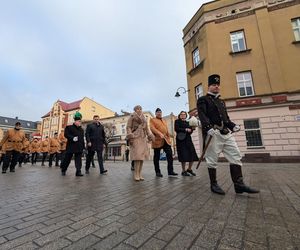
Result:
216,126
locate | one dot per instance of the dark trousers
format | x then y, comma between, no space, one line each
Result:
10,160
168,150
34,158
62,156
22,158
51,159
44,157
90,157
67,159
127,155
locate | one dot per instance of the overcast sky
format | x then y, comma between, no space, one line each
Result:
118,52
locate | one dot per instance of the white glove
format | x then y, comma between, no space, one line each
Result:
75,138
211,132
236,128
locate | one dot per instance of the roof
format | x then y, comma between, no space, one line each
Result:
10,122
67,106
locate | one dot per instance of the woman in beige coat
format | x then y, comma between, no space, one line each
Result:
138,135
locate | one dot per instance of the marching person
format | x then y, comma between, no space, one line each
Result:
24,153
185,148
44,149
63,145
34,150
13,140
159,128
95,138
54,147
138,135
217,125
75,145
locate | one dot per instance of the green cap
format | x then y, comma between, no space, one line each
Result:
77,116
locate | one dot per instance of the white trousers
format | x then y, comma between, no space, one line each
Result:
225,144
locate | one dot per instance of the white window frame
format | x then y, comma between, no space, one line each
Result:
235,37
199,91
123,128
245,83
296,28
253,129
196,57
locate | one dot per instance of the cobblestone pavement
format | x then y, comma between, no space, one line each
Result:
40,209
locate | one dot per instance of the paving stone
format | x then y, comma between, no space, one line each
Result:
57,244
123,246
85,222
107,230
55,226
19,241
208,239
153,244
111,241
7,230
254,246
82,232
27,246
25,231
53,236
281,244
168,232
137,239
83,243
181,241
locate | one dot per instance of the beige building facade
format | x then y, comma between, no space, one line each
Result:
61,114
255,47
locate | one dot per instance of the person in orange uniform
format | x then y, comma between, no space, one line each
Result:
24,154
63,145
44,149
54,147
13,140
34,150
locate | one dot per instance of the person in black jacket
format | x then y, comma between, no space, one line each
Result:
217,125
75,145
185,147
95,138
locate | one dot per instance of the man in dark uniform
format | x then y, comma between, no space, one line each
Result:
217,125
95,138
75,145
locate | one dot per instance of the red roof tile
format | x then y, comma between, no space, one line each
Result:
67,106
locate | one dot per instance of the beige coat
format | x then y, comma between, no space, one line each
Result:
13,140
54,146
63,141
45,146
35,146
138,135
159,127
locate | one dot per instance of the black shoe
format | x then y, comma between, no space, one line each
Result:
173,174
87,172
56,165
12,170
78,174
185,173
159,175
241,188
50,166
63,173
3,172
43,165
93,166
215,188
132,168
190,171
20,165
103,172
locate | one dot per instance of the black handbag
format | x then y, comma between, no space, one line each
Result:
181,136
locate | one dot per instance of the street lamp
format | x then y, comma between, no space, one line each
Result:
184,91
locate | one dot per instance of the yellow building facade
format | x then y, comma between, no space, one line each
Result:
61,114
255,47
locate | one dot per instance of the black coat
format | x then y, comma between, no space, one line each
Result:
212,111
185,147
72,131
95,134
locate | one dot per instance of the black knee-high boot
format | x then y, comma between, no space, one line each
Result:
237,178
214,187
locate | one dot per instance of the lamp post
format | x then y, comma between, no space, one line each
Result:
184,91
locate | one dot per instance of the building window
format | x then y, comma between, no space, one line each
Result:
253,135
245,85
198,91
296,28
196,57
123,129
238,41
114,151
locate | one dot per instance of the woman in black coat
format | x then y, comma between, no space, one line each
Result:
185,147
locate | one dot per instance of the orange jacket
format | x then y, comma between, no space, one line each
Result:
13,140
159,127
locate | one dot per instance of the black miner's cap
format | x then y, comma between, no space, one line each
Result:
214,79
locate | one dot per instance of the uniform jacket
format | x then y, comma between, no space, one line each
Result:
63,141
26,148
72,131
95,134
212,111
54,145
159,126
138,134
45,146
35,146
13,140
